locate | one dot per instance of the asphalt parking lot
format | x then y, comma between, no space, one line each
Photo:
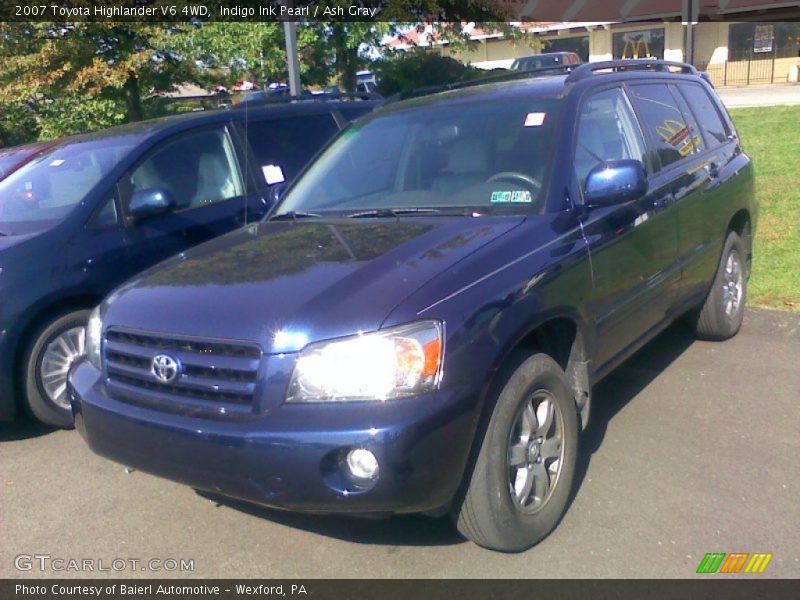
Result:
694,448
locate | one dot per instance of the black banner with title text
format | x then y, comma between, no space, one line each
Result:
584,11
340,589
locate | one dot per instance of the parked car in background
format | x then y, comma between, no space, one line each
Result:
543,61
244,86
87,214
419,324
366,82
14,157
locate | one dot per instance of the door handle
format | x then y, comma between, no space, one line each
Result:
663,202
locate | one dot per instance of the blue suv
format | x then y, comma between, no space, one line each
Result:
418,325
86,214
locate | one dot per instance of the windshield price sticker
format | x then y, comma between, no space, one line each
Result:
534,119
508,196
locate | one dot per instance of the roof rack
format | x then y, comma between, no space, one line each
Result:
631,64
499,78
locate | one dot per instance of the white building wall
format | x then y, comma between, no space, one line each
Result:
600,44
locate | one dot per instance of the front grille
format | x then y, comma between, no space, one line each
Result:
213,374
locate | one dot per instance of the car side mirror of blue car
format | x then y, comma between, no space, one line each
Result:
613,182
150,202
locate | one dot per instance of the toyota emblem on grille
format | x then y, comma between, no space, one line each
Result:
165,368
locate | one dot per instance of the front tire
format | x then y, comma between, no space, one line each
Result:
722,313
524,472
49,356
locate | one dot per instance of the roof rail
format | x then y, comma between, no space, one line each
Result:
499,78
631,64
322,97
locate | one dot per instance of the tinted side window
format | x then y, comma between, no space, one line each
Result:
106,216
289,142
351,113
607,130
196,169
707,114
672,132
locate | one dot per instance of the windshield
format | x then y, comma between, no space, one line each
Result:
459,157
41,193
9,159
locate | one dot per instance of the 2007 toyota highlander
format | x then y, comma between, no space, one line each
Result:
418,325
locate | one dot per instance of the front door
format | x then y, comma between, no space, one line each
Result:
200,170
633,245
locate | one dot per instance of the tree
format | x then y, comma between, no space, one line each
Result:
419,69
339,49
118,62
234,50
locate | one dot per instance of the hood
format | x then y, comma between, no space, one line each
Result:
316,279
9,241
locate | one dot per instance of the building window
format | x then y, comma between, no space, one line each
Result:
644,43
758,40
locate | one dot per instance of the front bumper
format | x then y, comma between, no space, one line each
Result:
291,458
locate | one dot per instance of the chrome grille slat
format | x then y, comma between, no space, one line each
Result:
190,383
213,373
189,345
212,361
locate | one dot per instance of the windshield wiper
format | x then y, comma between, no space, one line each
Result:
391,212
293,215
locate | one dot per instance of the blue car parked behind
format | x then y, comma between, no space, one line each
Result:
96,209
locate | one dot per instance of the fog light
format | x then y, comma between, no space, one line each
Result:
362,463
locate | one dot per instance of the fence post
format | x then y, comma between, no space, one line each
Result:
725,74
749,62
772,72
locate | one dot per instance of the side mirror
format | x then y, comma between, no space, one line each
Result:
614,182
275,193
150,202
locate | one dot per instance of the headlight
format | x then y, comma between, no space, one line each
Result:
94,338
394,363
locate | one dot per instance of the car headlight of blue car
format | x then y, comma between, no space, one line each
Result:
384,365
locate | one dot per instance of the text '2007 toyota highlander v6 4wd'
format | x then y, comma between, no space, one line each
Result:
418,325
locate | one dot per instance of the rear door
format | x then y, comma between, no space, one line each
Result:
200,170
633,246
282,146
686,162
703,216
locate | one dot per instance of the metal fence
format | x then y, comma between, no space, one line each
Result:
747,69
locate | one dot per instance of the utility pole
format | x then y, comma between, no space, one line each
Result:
689,17
292,60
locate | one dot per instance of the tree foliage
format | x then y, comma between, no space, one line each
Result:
59,78
90,74
419,68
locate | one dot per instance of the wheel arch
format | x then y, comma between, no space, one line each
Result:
741,223
35,320
562,336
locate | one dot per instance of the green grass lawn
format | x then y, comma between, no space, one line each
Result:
770,136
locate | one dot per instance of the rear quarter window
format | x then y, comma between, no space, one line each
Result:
671,130
708,117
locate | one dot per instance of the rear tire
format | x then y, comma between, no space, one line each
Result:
52,349
523,475
722,313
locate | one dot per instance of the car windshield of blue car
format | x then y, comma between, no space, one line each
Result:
460,157
43,192
9,159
